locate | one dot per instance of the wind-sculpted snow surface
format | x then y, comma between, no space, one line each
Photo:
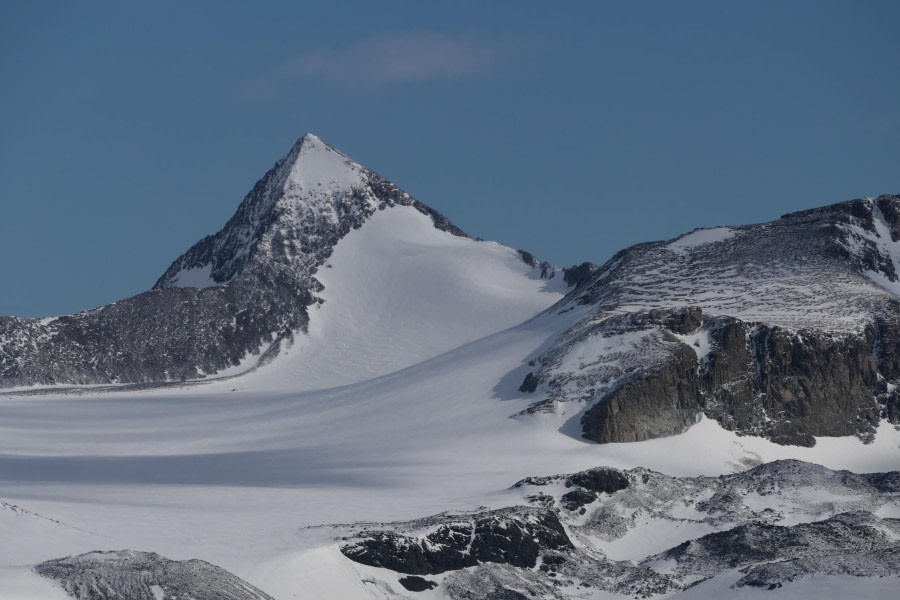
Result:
807,270
787,329
134,575
639,533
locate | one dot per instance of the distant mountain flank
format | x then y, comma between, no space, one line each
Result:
234,297
788,330
293,217
349,356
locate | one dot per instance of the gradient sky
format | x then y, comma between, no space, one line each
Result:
130,130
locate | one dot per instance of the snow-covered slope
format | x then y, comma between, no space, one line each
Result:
642,534
240,477
397,292
291,217
814,269
246,292
409,370
786,329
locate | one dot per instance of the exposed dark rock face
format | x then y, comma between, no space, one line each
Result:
798,385
681,321
144,576
603,480
577,498
877,563
163,335
548,271
789,330
610,352
414,583
652,404
757,379
507,537
588,484
776,522
884,482
847,533
515,552
529,384
578,275
506,594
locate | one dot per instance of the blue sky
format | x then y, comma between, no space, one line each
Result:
130,130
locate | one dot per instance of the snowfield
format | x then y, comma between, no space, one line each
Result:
397,292
701,237
403,401
237,475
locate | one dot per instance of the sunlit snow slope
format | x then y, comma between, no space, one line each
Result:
396,353
398,291
399,282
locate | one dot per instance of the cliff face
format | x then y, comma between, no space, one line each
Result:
799,384
787,330
756,379
656,404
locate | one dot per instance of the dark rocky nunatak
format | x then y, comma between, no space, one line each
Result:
414,583
511,537
764,521
144,576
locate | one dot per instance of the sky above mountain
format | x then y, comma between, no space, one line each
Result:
128,130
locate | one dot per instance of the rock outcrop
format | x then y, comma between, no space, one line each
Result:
516,538
144,576
756,379
789,330
645,534
755,543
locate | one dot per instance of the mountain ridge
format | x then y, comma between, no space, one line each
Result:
786,329
364,365
314,185
246,290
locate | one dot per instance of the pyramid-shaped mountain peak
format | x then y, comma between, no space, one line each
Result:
246,288
292,217
314,165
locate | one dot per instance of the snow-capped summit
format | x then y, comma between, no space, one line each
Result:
246,290
378,353
308,190
786,329
315,164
